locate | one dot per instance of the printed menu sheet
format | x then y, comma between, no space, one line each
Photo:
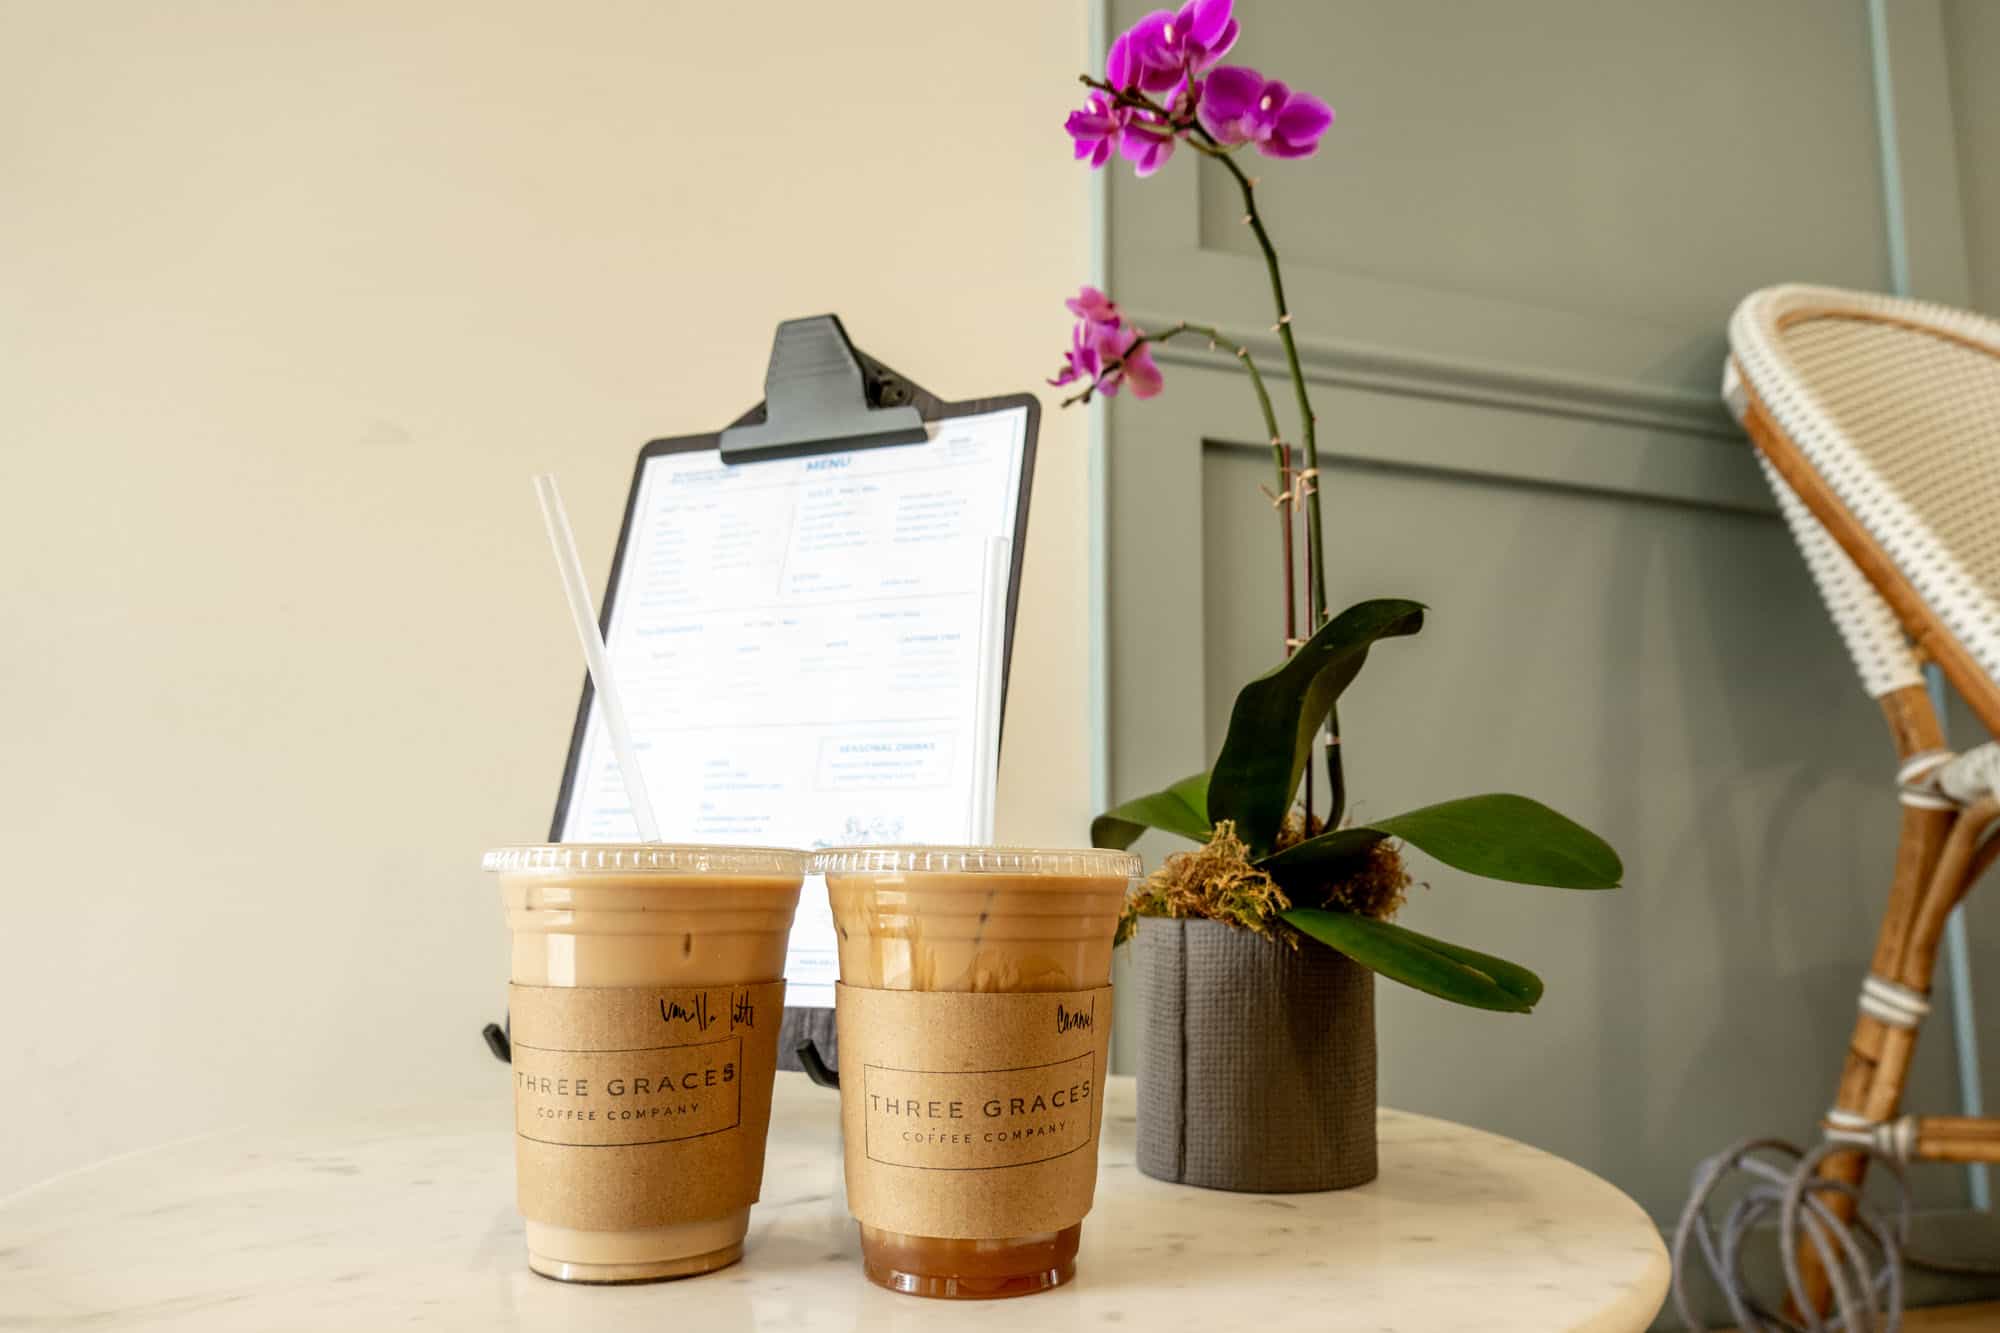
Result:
798,641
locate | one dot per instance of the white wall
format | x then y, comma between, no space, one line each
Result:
297,297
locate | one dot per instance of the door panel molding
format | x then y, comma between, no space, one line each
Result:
1352,364
1157,525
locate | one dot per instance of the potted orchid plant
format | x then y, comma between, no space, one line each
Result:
1258,948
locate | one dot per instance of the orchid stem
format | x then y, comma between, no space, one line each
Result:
1205,143
1308,481
1236,350
1306,484
1200,139
1309,430
1315,557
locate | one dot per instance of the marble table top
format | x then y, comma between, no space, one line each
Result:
407,1221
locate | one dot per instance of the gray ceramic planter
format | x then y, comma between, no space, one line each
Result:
1256,1061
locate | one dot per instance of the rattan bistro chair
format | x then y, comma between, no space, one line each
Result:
1877,422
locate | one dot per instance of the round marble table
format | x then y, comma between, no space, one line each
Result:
407,1221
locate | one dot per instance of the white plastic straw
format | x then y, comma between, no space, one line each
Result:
577,593
993,583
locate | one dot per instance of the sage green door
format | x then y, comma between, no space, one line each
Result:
1511,265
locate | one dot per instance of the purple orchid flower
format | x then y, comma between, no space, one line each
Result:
1081,361
1104,351
1136,368
1239,105
1163,53
1097,128
1094,306
1121,66
1147,143
1152,68
1171,49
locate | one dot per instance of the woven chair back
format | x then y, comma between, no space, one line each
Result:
1879,421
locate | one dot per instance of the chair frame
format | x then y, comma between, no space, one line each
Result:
1943,847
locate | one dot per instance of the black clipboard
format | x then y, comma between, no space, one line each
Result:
822,395
880,390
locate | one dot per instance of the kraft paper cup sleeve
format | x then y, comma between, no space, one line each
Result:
641,1106
972,1115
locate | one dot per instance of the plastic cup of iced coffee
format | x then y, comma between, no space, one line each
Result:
974,1015
647,990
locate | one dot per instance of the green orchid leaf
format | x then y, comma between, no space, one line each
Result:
1323,858
1509,837
1181,808
1448,971
1272,726
1497,836
1336,772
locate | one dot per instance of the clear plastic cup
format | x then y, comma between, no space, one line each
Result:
621,919
974,919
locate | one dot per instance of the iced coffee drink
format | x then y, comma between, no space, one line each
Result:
646,997
974,1014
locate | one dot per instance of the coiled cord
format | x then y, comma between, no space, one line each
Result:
1862,1259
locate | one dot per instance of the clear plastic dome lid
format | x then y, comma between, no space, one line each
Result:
1077,863
658,858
